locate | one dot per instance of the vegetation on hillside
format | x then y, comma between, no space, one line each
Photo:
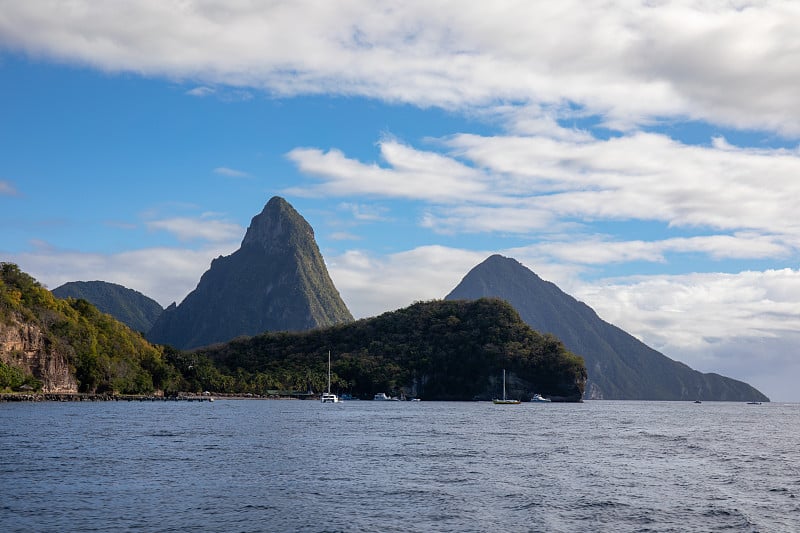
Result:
12,378
439,350
444,350
126,305
105,354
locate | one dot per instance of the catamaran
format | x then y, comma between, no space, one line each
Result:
504,401
328,397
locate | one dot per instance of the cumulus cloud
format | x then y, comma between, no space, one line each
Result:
630,63
603,251
201,91
701,308
742,325
525,184
365,212
371,285
231,172
188,229
165,274
409,174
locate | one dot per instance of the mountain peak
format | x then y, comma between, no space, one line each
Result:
619,366
277,280
276,226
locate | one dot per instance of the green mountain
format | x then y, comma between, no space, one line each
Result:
69,346
276,281
439,350
126,305
620,367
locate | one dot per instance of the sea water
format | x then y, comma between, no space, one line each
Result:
242,466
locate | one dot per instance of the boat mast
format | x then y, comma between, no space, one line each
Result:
329,371
504,384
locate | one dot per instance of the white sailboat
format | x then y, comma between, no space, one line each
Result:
504,401
328,397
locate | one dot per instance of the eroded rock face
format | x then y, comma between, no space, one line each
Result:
23,346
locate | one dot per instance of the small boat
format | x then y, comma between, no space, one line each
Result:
697,401
504,401
539,398
328,397
381,397
753,403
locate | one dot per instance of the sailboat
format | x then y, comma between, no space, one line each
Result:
328,397
504,401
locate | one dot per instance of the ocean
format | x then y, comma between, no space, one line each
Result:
284,466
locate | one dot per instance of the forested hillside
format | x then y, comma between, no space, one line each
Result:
434,350
126,305
58,342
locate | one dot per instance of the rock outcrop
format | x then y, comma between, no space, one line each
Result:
24,346
276,281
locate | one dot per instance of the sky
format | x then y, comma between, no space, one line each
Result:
642,155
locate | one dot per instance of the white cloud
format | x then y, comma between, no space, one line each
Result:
646,177
701,309
603,251
344,236
187,229
165,274
371,285
365,212
201,91
629,62
410,174
742,325
231,173
545,185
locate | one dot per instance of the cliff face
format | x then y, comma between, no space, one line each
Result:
276,281
24,346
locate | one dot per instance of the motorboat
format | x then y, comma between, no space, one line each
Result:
381,397
539,398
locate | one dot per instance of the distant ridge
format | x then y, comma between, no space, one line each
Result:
276,281
130,307
619,366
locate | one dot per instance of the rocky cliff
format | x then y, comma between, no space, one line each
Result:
24,346
276,281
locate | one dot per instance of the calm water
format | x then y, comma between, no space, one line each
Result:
399,466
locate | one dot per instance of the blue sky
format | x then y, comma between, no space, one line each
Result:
642,156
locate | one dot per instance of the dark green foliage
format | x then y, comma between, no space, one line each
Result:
105,354
620,366
276,281
12,378
126,305
435,350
